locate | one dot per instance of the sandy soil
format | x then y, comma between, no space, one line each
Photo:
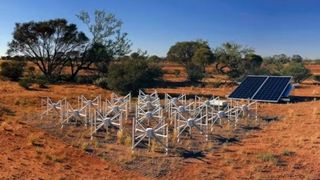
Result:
315,69
283,149
27,152
287,148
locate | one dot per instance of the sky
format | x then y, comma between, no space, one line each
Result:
268,26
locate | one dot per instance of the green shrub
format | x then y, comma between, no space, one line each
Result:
31,72
176,72
286,152
297,71
316,78
130,75
268,157
25,83
86,79
12,70
217,84
41,82
101,82
195,73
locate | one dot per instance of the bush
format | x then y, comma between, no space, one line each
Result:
101,82
176,72
131,75
195,73
12,70
286,152
42,82
31,72
87,79
25,83
297,71
268,157
316,78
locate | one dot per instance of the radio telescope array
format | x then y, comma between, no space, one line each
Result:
153,118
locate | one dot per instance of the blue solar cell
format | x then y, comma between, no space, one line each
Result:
288,90
248,87
272,89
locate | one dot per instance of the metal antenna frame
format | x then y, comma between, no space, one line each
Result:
111,114
114,117
249,109
119,100
140,132
196,118
145,116
50,106
172,103
149,122
85,111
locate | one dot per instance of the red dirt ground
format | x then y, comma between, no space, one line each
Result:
27,152
284,149
314,68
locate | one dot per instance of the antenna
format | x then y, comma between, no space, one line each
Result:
185,118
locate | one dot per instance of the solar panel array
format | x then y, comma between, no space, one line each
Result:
263,88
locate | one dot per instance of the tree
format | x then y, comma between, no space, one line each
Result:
281,58
194,55
96,54
296,58
316,78
297,71
131,75
202,57
154,58
48,44
233,59
183,52
254,60
195,72
108,42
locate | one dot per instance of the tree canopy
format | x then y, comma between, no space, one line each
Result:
235,58
48,44
297,71
183,52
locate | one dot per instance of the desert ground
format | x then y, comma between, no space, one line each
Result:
285,147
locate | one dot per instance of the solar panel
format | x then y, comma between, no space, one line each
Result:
272,89
288,90
248,87
263,88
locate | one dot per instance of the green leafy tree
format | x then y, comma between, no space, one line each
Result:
154,58
48,44
108,42
253,60
296,58
194,55
297,71
195,72
131,74
202,57
272,66
316,78
183,52
231,59
281,58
